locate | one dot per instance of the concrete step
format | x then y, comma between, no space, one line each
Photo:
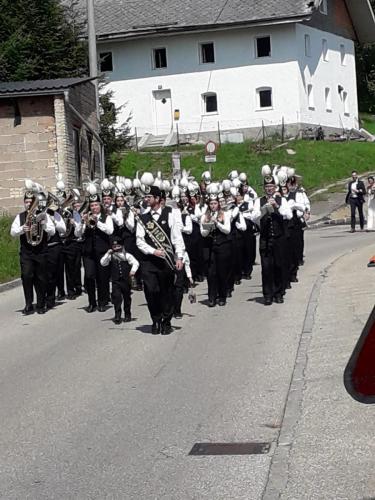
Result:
155,141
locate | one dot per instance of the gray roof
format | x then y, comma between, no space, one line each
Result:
132,17
39,87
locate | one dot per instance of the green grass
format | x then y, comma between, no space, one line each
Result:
368,122
320,163
9,262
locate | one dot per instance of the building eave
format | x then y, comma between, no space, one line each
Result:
179,30
363,19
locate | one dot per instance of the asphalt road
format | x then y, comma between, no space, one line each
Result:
90,410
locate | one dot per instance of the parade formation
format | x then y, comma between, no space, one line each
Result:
160,236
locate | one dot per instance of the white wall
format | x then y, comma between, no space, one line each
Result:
331,73
235,76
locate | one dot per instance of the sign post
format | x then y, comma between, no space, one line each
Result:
210,157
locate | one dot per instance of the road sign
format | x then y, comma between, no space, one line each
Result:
211,148
210,159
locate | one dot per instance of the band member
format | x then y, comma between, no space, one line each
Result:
33,226
249,235
296,201
72,251
96,227
356,198
107,196
269,213
184,280
55,262
123,267
159,239
215,229
371,203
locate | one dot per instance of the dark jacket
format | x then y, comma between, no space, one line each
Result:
361,191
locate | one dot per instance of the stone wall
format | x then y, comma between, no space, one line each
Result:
82,98
28,149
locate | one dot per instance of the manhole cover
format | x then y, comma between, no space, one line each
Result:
230,449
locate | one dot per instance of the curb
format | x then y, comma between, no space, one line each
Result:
4,287
330,222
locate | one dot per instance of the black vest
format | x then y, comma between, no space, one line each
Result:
271,225
120,269
295,222
96,241
25,246
163,222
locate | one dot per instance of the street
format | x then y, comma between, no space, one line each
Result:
90,410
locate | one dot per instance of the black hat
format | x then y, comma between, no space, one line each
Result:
116,240
269,179
292,180
94,198
29,195
155,191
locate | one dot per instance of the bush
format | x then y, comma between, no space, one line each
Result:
9,249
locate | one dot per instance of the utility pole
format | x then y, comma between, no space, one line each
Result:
93,65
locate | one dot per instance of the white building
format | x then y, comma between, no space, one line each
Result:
199,65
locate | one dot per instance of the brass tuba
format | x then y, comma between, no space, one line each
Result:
34,234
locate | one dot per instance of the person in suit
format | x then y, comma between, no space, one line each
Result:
356,198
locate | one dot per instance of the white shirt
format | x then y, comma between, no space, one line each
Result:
108,257
187,228
224,227
16,228
176,236
106,227
284,210
298,204
118,219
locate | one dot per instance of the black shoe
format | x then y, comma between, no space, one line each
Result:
352,230
155,329
139,288
200,279
178,315
267,301
288,286
222,302
229,294
117,319
78,292
28,310
301,262
50,305
246,276
61,296
211,303
71,297
41,310
294,280
238,282
101,308
91,308
279,300
127,318
166,328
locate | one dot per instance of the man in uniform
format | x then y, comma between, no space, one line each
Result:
159,238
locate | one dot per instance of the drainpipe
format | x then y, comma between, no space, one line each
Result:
90,128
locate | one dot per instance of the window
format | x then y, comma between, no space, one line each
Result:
328,99
346,102
310,96
77,153
159,58
325,49
263,46
307,46
342,54
207,53
105,61
264,97
210,102
323,7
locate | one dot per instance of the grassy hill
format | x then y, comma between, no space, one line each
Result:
319,163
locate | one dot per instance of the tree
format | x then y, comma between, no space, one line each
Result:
115,139
366,75
39,39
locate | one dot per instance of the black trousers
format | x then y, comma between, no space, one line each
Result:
272,255
180,283
158,285
121,294
34,274
219,267
55,267
295,250
96,277
249,252
355,204
72,253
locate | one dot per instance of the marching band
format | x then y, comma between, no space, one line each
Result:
162,237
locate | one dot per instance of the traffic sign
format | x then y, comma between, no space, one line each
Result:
211,148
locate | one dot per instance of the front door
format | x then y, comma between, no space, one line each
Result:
162,111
